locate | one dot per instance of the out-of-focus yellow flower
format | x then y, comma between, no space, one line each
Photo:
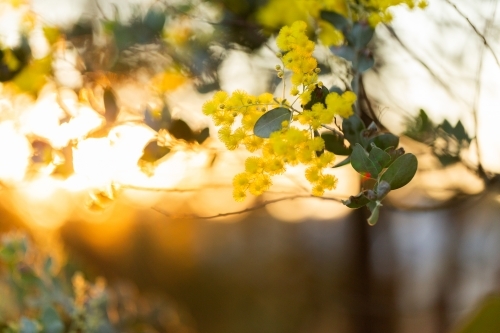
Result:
168,81
328,35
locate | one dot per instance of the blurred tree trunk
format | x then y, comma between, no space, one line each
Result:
372,292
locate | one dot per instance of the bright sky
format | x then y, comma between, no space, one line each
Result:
443,40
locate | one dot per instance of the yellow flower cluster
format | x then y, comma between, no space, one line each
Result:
336,105
277,13
224,110
298,49
381,9
237,114
289,146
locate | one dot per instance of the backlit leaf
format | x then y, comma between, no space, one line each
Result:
401,171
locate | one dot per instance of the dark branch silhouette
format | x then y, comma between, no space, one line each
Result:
246,210
480,35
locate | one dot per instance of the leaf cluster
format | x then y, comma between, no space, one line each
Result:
38,297
447,141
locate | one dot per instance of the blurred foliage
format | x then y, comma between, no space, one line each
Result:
485,318
447,141
37,296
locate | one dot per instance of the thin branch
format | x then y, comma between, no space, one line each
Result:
157,189
483,38
363,96
477,94
417,59
250,209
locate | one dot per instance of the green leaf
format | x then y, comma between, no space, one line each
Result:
353,128
374,207
271,122
347,52
460,133
362,164
51,321
395,153
356,201
447,159
385,140
110,107
155,19
203,135
401,171
337,20
360,35
421,128
336,89
383,188
318,95
343,162
335,143
28,326
379,157
364,62
446,126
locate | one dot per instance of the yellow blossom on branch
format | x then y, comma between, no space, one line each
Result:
292,140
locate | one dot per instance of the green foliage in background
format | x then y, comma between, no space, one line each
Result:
38,297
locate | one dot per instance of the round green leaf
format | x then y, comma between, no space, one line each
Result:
338,21
335,143
364,62
155,19
385,140
401,171
271,122
379,157
362,164
360,35
353,128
